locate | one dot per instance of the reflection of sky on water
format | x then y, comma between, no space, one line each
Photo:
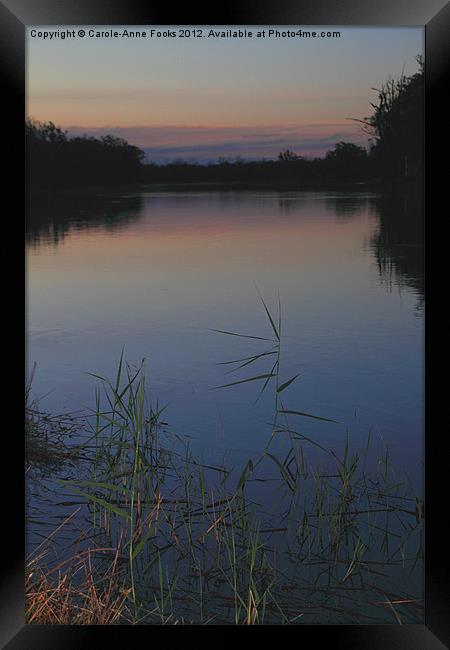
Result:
182,263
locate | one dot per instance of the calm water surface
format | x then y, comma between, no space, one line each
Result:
153,272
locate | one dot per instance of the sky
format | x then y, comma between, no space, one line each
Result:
201,99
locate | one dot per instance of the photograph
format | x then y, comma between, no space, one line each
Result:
225,325
233,263
233,267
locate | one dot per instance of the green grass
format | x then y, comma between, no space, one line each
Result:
279,540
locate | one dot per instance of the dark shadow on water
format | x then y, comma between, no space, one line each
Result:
343,205
347,206
398,242
51,217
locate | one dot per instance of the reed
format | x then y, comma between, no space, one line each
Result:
174,540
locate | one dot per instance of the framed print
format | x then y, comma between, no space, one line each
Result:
232,269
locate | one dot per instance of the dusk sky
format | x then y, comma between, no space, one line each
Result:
201,99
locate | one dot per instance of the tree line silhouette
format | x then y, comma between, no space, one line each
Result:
393,158
54,159
396,128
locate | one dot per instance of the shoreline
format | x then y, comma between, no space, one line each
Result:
376,187
36,193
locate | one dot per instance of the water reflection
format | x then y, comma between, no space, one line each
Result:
154,271
397,243
52,218
347,206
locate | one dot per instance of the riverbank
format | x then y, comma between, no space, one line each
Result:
411,189
37,192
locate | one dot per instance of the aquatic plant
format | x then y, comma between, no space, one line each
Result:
186,542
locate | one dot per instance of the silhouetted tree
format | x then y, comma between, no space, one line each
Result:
44,132
347,161
396,127
288,155
54,159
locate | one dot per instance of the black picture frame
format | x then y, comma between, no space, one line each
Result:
434,15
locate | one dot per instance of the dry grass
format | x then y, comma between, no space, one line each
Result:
73,593
174,541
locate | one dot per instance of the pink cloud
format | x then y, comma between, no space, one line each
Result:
165,143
